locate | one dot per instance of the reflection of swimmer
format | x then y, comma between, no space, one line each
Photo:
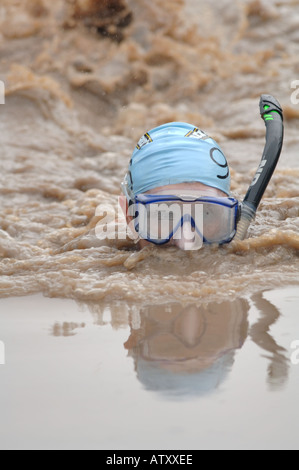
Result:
187,350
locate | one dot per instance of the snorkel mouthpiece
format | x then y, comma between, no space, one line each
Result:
272,114
247,216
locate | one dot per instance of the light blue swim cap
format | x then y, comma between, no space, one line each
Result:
175,153
156,378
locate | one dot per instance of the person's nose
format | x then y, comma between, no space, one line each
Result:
188,238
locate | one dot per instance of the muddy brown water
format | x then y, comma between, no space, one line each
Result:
82,85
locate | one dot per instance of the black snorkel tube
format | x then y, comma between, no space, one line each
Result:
272,114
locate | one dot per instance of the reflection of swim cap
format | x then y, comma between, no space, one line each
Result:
156,378
178,153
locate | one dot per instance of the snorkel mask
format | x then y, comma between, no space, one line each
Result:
180,153
192,216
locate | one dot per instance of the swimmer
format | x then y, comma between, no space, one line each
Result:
178,187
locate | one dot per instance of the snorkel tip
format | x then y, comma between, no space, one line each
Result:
269,104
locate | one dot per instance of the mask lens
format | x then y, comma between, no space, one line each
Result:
219,223
158,220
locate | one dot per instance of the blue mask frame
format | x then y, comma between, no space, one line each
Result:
229,203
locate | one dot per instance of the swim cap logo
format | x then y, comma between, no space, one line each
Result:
146,139
225,165
197,134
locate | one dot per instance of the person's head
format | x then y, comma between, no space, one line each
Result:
178,189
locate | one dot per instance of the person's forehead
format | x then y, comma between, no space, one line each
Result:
194,186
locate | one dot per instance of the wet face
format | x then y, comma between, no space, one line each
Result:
195,188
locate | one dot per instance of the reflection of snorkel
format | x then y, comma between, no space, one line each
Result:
272,114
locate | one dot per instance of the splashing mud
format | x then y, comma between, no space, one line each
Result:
84,80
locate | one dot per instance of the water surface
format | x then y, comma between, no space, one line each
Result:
167,376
